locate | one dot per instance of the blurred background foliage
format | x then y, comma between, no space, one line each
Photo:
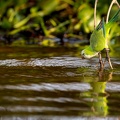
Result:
51,22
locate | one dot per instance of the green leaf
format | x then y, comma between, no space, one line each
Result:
49,5
22,22
5,24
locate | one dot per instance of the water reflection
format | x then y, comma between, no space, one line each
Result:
60,87
97,96
55,117
99,104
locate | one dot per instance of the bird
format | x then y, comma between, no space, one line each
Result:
99,39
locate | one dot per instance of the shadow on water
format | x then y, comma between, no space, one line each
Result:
58,88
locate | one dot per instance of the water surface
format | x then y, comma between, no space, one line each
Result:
52,84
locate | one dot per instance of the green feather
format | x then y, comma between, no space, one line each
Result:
103,27
97,40
99,26
114,18
99,37
111,21
89,51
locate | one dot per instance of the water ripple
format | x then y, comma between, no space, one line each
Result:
60,87
53,61
50,87
50,117
29,109
48,99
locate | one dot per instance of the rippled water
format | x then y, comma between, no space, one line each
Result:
62,87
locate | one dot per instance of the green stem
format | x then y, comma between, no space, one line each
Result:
43,26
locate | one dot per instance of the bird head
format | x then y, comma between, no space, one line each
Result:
88,53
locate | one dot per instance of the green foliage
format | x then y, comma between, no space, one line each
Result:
48,42
50,17
85,14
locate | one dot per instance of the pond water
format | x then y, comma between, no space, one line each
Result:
56,84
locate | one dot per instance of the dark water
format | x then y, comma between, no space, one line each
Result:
52,84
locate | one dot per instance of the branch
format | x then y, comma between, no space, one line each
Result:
117,4
95,13
110,7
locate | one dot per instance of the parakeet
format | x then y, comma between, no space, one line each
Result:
99,38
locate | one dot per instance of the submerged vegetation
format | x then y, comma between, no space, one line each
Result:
32,21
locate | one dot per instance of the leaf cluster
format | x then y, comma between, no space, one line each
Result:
50,18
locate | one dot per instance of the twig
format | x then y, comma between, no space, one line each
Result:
117,4
108,57
95,13
108,13
110,7
100,61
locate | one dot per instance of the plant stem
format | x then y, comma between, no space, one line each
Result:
43,26
117,3
108,57
100,61
110,7
95,13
